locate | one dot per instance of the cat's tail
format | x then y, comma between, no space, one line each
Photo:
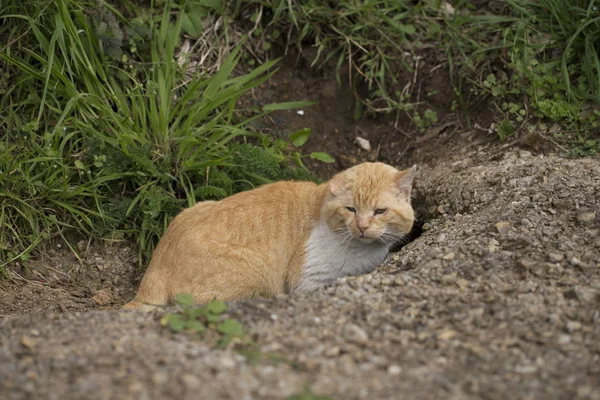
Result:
138,304
133,304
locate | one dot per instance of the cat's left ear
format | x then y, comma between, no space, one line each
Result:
404,180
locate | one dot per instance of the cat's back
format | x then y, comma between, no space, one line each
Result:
265,212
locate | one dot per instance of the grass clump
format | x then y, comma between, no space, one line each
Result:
113,143
551,71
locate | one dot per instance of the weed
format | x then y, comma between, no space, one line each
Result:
308,395
548,49
105,140
200,319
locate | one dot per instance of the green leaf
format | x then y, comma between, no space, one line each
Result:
326,158
266,46
176,322
300,137
230,327
505,129
184,299
216,307
191,21
164,321
408,29
430,115
287,105
79,164
212,318
195,326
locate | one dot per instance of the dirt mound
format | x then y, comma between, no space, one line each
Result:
500,295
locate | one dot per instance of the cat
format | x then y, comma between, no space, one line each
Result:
281,237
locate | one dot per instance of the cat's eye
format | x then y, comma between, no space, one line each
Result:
351,209
380,211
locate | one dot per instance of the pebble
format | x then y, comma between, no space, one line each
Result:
527,264
555,257
564,339
573,326
29,342
441,237
503,227
394,369
575,261
191,381
449,256
447,334
586,217
526,223
355,333
363,143
160,378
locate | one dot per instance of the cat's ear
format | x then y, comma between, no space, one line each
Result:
404,181
337,185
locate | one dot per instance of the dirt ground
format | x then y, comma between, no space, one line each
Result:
499,297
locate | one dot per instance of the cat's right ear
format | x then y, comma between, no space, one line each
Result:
404,180
337,186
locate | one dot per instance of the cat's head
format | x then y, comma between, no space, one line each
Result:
370,202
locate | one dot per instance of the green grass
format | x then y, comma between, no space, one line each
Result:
96,146
538,58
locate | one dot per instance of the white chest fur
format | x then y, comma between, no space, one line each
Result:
326,260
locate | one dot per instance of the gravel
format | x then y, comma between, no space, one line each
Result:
498,298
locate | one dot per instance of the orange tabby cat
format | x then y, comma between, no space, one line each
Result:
281,237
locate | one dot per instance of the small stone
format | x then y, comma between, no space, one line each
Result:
586,217
34,332
526,369
363,143
387,282
191,381
29,342
441,209
396,257
449,256
81,245
503,227
462,283
576,262
441,237
555,257
447,334
573,326
526,223
493,245
394,369
561,204
527,264
333,351
355,333
564,339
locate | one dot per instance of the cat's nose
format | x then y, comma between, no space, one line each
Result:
362,229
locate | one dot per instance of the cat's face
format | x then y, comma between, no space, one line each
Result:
371,202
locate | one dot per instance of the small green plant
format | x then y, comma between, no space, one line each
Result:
423,122
307,394
200,319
